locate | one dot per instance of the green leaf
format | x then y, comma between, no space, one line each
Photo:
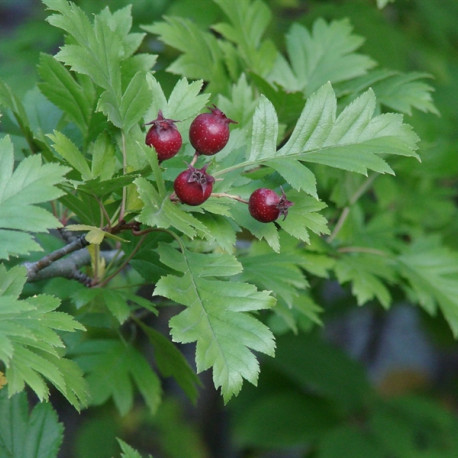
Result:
248,23
431,270
23,435
32,347
201,58
159,211
72,155
172,363
264,132
398,91
367,273
127,111
20,190
112,367
127,450
327,53
351,141
303,217
215,316
60,88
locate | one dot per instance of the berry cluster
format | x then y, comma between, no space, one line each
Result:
208,134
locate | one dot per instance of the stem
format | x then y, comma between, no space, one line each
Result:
346,211
124,170
230,196
124,264
194,159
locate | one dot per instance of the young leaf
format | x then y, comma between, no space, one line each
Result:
215,316
23,435
31,347
431,270
20,190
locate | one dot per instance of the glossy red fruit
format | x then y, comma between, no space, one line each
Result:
164,137
209,132
266,205
193,186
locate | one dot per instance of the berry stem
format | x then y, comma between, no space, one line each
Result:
230,196
194,159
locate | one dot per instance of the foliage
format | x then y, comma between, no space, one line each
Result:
318,118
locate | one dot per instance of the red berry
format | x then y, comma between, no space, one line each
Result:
266,205
193,186
163,135
209,132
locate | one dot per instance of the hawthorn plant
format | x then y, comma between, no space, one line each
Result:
256,178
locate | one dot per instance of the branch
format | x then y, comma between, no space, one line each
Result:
68,267
33,268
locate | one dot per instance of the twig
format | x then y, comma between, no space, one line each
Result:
69,267
34,267
346,211
230,196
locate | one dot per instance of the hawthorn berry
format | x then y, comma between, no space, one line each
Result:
209,132
266,205
193,186
164,136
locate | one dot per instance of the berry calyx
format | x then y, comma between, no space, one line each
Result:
164,137
193,186
266,205
209,132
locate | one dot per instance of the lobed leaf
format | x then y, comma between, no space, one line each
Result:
31,346
31,183
23,434
431,270
224,333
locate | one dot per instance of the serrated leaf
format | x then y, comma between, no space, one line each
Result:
201,57
223,332
31,183
127,450
112,368
247,24
368,275
126,111
398,91
60,88
70,152
23,435
264,131
431,270
159,211
327,53
303,217
351,141
32,348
